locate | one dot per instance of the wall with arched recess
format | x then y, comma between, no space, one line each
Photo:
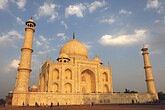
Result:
88,84
105,89
68,74
42,83
55,74
68,88
46,80
104,77
55,87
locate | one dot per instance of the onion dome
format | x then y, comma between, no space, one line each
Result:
34,87
10,92
75,49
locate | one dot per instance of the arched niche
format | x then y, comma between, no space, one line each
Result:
105,89
55,87
68,74
88,83
105,76
68,88
55,74
42,87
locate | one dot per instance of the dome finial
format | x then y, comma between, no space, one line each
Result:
73,35
31,17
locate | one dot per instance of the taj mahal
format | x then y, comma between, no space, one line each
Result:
73,79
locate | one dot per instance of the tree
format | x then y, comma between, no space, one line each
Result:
2,101
128,91
161,96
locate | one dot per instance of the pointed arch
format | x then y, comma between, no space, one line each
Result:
68,74
105,88
55,87
68,88
55,74
104,76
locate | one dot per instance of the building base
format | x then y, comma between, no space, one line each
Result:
30,98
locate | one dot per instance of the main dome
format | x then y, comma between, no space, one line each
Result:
74,48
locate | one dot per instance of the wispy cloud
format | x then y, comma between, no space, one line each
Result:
76,9
38,43
10,38
79,9
155,4
19,21
123,11
48,9
96,4
156,21
21,4
62,35
12,66
64,24
87,45
110,20
160,21
152,4
46,51
43,39
106,8
3,4
124,38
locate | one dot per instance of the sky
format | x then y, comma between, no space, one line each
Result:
115,30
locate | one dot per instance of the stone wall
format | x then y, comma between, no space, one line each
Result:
79,99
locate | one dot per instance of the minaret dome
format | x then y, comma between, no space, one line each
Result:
30,23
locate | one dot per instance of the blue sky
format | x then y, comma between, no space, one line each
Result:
115,30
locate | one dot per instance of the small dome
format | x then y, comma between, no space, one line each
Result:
34,87
144,48
31,21
63,55
74,48
10,92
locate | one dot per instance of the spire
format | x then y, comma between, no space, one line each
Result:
47,57
109,64
31,17
144,48
50,58
73,35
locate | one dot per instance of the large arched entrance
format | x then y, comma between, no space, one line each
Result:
88,84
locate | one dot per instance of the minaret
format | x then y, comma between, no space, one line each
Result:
24,69
149,78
